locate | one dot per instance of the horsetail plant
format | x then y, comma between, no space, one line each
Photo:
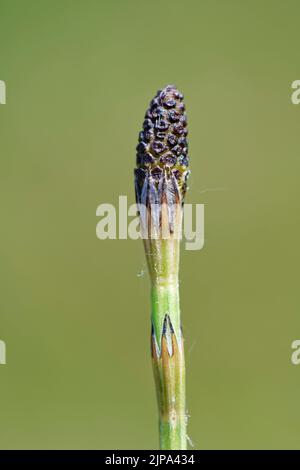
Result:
160,185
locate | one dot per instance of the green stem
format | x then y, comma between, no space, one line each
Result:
168,364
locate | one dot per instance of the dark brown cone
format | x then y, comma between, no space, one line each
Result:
162,152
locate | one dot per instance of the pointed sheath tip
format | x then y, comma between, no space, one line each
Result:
168,341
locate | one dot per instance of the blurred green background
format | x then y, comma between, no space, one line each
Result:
74,310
